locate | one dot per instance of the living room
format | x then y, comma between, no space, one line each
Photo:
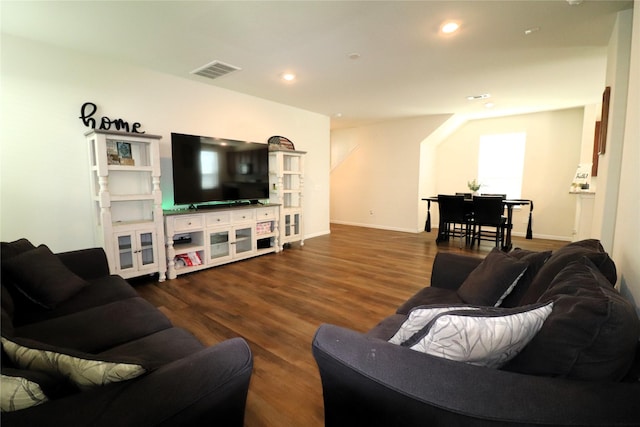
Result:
45,184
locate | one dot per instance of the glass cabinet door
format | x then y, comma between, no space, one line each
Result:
244,239
219,244
147,254
125,252
291,225
136,250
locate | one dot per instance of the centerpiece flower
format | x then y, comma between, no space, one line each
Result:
474,185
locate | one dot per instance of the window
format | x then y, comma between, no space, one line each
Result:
500,164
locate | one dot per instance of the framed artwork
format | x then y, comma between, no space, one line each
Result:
604,119
596,149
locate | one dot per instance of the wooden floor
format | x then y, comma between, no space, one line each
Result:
353,277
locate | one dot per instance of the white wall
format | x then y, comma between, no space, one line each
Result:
617,77
552,154
375,177
44,187
627,230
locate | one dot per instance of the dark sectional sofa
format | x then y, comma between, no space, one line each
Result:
578,365
86,350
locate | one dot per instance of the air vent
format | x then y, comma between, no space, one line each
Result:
215,69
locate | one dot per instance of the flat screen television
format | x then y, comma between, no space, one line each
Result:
208,170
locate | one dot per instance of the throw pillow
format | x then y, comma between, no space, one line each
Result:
562,257
420,317
591,334
487,337
19,393
83,370
42,277
491,281
535,261
11,249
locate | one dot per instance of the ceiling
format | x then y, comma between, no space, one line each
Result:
404,67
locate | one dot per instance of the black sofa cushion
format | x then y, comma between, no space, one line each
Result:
42,277
100,291
387,327
11,249
491,281
99,328
157,349
591,334
562,257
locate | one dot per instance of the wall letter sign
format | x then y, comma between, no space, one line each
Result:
87,111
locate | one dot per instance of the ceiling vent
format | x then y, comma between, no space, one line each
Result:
215,69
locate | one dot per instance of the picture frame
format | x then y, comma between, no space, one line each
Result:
124,152
604,121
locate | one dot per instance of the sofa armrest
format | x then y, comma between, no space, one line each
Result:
370,382
451,269
206,388
88,263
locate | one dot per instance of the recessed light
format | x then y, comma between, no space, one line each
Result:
354,56
531,30
449,27
476,97
288,77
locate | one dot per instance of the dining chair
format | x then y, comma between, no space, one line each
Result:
487,212
455,219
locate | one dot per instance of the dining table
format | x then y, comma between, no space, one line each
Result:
509,204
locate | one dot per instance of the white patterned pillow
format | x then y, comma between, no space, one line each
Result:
83,372
19,393
487,337
420,317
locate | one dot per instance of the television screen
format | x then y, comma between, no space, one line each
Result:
209,169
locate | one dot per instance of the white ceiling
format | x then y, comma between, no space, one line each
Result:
405,69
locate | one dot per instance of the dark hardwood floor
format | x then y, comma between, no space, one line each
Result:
353,277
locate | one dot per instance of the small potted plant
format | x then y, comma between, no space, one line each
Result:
474,186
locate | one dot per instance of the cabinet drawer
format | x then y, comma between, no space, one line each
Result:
265,213
243,215
217,218
188,222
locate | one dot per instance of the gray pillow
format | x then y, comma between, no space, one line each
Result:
487,337
84,370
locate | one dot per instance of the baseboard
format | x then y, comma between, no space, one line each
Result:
379,227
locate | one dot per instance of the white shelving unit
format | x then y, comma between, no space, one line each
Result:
125,184
199,240
286,183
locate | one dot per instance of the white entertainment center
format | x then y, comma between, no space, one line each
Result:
198,240
140,238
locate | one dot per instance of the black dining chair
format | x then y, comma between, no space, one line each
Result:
487,213
455,218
